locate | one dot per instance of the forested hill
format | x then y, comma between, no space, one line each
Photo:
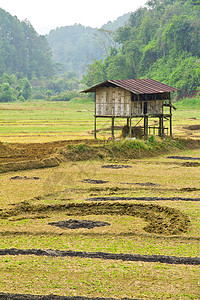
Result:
160,41
22,50
76,46
119,22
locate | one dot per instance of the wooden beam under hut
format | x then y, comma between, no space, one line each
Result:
146,119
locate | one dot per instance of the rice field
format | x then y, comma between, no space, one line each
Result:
164,190
42,121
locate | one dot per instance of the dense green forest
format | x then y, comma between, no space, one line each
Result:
160,41
119,22
22,51
26,66
48,67
57,88
30,69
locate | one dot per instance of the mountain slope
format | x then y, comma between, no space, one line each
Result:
22,50
160,41
76,46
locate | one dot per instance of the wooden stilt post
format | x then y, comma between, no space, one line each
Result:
127,123
113,124
170,125
161,127
95,127
95,119
146,127
130,129
170,118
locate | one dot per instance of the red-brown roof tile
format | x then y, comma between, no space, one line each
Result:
136,86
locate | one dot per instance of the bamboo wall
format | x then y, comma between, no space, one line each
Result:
115,101
153,107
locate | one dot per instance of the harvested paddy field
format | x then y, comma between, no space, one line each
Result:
149,208
84,219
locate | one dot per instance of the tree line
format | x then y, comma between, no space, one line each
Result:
160,41
27,69
22,51
13,89
57,88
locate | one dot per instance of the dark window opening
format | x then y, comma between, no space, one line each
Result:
132,97
145,108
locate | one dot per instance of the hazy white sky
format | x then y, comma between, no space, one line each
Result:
49,14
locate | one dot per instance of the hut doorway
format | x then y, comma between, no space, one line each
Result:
145,108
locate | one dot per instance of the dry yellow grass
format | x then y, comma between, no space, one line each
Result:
63,184
94,277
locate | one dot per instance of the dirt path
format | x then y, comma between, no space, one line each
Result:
103,255
184,157
142,199
4,296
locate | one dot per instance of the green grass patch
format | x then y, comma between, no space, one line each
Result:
122,149
71,119
186,103
116,279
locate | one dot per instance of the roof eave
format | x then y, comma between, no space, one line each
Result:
92,88
113,82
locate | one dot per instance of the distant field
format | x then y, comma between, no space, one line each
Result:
42,121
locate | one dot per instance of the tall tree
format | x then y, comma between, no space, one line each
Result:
22,50
160,41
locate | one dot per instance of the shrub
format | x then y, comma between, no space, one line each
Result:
65,96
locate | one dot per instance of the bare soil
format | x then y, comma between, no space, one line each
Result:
147,184
184,157
75,224
4,296
15,152
94,181
143,198
116,166
104,255
190,164
24,178
193,127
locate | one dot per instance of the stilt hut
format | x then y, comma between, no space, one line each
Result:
131,99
